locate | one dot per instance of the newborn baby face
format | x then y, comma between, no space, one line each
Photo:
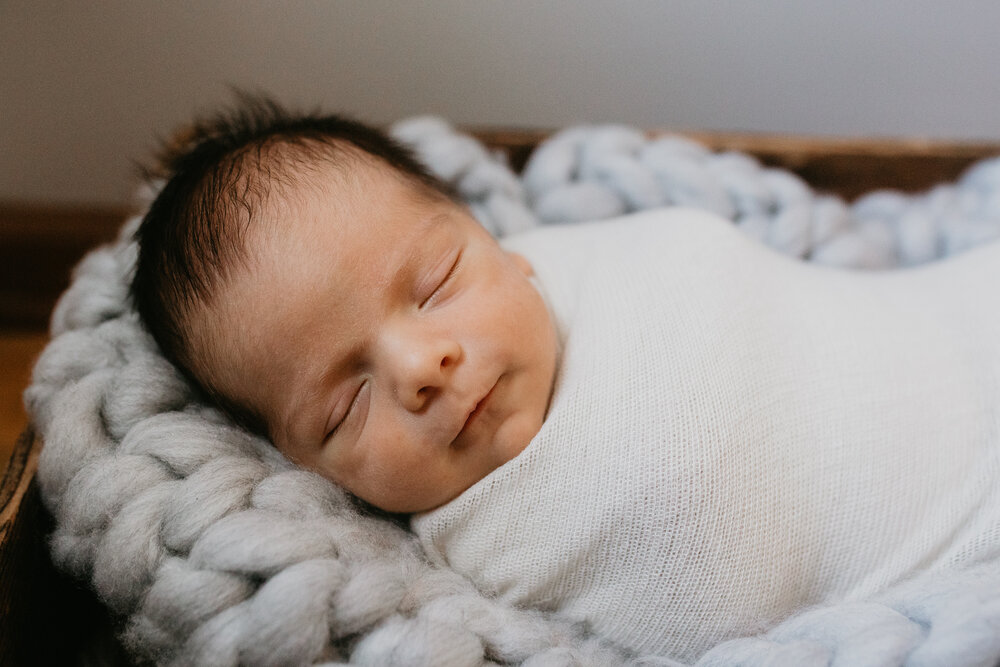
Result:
387,340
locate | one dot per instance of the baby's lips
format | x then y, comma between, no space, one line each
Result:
469,416
460,431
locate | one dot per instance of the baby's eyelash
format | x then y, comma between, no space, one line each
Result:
347,413
444,281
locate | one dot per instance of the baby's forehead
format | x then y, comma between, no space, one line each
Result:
356,182
337,234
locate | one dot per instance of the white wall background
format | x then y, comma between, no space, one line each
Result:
87,87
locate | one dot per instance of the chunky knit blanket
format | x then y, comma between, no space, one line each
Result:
735,435
213,550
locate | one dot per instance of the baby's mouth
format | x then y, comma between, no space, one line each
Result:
478,410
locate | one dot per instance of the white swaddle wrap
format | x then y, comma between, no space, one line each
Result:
735,434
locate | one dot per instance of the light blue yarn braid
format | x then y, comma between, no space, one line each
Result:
598,172
215,551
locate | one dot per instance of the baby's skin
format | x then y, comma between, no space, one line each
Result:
387,340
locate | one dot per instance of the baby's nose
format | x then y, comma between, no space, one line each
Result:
423,369
426,376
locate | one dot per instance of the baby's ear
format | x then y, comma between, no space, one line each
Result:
521,263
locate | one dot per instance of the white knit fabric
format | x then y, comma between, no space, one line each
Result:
735,435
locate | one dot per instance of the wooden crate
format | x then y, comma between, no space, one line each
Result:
48,619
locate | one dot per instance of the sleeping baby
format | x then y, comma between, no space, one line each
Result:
654,425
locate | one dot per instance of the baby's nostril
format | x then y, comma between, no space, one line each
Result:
426,394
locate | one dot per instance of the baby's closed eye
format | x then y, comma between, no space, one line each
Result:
442,279
344,418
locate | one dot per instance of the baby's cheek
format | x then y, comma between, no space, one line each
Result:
511,309
389,452
531,322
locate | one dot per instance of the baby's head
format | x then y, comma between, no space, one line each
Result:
327,291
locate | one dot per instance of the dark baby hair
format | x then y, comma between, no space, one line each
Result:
217,179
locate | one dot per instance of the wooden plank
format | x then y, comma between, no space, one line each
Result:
18,351
39,245
19,552
47,618
851,167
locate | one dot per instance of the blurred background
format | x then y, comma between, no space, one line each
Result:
88,88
